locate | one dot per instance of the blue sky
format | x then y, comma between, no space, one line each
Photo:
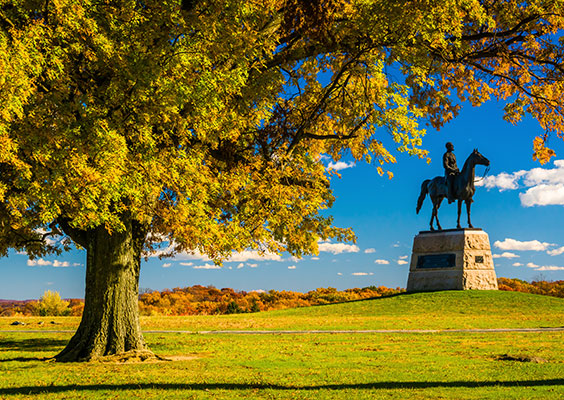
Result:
520,206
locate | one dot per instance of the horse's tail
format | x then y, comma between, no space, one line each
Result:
424,191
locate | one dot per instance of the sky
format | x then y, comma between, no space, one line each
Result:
519,205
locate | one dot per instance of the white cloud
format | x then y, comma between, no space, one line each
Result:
240,265
62,264
396,244
403,257
543,195
556,252
252,265
166,265
340,273
505,254
517,264
76,264
292,267
315,258
187,264
370,251
207,266
338,248
295,259
550,268
248,255
362,273
340,165
39,261
257,291
381,262
512,244
546,185
544,267
402,262
503,181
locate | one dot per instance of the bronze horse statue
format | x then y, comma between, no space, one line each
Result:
463,189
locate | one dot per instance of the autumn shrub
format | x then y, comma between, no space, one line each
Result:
51,304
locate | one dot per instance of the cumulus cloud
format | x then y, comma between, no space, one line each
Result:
315,258
544,267
62,264
340,273
550,268
370,251
207,266
338,248
76,264
381,262
545,185
517,264
402,262
340,165
543,195
254,255
166,265
291,267
187,264
556,252
512,244
403,257
39,261
257,291
252,265
240,265
362,273
505,254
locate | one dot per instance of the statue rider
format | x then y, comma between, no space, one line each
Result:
451,170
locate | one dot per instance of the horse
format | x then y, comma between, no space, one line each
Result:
463,188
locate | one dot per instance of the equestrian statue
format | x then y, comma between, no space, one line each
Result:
455,185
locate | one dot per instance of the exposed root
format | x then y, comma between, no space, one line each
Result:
133,356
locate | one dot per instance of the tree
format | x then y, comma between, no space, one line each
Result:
52,304
127,123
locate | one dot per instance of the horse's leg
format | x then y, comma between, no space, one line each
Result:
437,213
468,203
458,218
432,216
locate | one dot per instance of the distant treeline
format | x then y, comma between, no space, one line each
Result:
547,288
202,300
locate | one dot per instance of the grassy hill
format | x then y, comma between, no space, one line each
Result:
434,310
449,365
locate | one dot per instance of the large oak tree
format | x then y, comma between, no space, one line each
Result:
205,123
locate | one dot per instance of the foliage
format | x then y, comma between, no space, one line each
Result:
52,304
207,124
209,300
554,288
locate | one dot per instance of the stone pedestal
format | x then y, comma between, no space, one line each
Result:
453,259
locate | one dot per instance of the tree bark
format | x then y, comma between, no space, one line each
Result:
110,321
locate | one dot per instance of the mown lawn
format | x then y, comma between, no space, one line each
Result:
336,366
443,365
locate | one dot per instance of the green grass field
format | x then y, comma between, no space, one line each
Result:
336,366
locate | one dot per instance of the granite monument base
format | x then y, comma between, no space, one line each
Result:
453,259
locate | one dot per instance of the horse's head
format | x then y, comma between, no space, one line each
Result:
479,158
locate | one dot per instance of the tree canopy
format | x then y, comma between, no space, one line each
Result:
207,122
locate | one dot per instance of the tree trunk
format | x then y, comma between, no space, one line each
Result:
110,321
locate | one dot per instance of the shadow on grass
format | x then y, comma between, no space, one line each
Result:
33,344
30,390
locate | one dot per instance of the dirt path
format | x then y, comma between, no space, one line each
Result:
305,332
